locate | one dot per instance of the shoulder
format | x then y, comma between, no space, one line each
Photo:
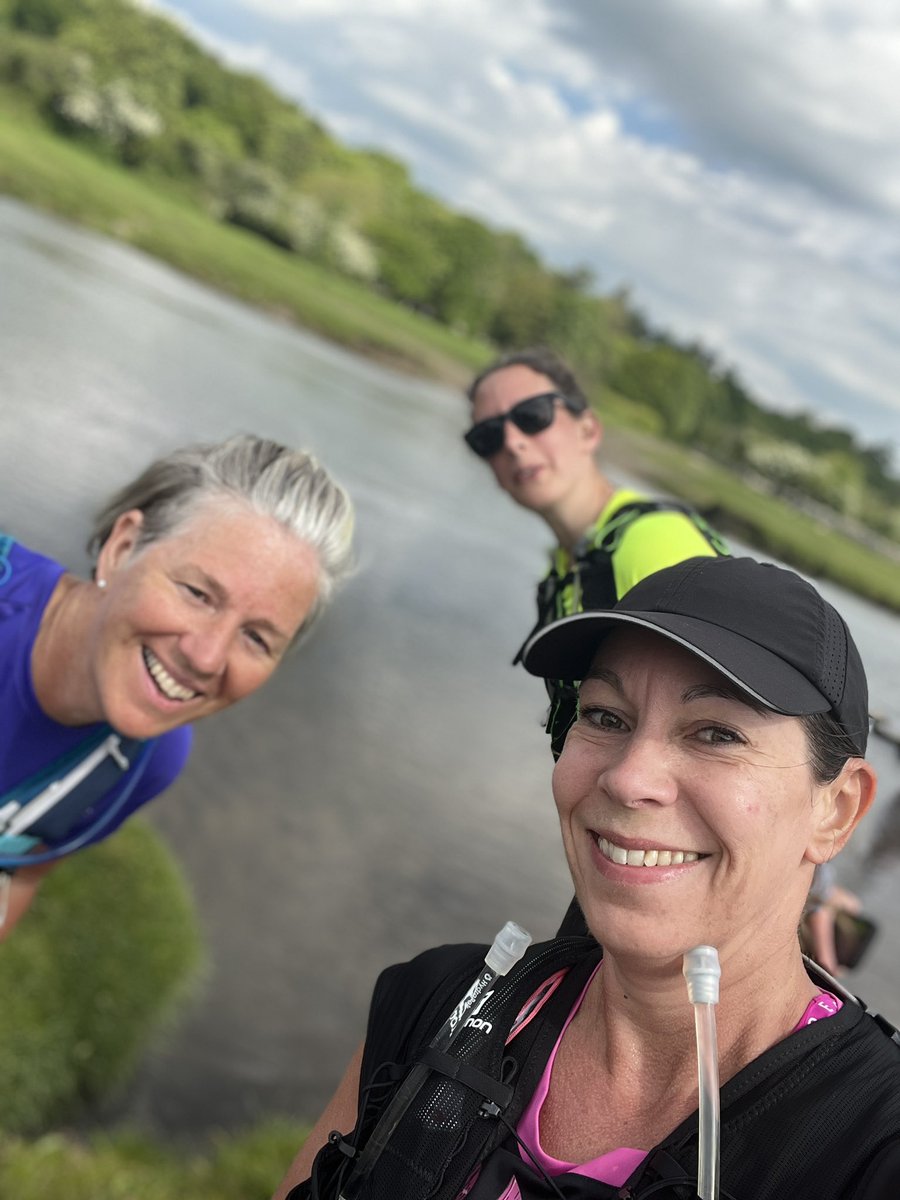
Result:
25,575
657,538
411,1000
409,996
167,760
407,989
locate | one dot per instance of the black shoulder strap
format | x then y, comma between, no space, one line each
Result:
609,536
594,565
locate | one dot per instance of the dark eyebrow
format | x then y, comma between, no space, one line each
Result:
604,674
726,691
697,691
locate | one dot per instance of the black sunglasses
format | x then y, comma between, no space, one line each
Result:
530,416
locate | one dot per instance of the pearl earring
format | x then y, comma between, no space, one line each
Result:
101,583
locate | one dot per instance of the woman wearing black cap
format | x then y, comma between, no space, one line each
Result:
717,758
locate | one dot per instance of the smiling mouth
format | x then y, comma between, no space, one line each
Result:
645,858
168,687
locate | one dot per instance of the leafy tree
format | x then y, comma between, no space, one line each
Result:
42,17
673,382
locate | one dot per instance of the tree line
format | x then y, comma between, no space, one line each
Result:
133,87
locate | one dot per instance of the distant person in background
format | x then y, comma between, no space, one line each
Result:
818,928
208,568
534,427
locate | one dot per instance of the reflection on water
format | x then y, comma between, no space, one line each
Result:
389,789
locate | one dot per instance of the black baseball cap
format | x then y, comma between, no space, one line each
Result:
762,626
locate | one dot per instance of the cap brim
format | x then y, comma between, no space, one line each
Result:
565,650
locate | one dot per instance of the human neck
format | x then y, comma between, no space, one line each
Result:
59,654
645,1023
572,516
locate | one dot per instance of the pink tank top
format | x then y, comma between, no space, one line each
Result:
616,1166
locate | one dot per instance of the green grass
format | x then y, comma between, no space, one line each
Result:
764,521
160,218
108,949
123,1166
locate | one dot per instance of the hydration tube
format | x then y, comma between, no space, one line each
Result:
702,973
508,947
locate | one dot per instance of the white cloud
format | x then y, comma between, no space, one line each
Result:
736,164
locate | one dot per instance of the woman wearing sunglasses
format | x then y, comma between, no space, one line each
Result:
207,568
533,426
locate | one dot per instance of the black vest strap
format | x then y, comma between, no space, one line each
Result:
496,1093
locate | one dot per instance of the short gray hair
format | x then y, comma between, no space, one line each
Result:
288,485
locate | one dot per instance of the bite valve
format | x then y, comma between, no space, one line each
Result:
702,972
509,945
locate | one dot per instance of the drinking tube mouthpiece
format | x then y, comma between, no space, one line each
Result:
702,971
509,945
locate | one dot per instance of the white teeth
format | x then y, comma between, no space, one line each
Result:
644,858
169,687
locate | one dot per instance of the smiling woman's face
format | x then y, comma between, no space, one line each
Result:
688,816
190,624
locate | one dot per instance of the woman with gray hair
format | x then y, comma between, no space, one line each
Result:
208,568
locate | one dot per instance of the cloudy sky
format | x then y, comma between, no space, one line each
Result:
735,164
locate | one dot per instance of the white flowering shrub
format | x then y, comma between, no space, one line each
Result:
352,254
307,223
112,113
784,461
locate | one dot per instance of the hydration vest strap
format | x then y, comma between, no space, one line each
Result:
6,545
496,1093
50,805
595,571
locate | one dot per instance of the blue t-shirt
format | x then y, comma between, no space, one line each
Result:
29,739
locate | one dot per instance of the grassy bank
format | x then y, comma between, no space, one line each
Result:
763,521
55,174
124,1167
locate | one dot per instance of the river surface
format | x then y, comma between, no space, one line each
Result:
389,789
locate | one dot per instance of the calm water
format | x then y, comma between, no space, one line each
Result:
390,788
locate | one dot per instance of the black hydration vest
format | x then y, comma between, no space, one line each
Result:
817,1117
590,583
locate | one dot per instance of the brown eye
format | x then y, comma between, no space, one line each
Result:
600,718
720,735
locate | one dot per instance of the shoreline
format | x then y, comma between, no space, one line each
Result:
55,175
